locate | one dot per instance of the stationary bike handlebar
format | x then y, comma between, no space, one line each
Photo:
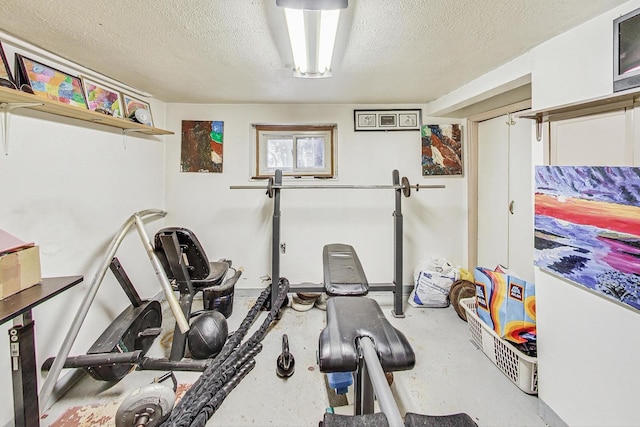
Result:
182,322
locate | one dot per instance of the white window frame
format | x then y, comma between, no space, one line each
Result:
264,131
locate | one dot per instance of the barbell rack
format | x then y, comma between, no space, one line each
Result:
400,186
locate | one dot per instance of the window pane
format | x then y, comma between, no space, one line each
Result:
310,152
280,153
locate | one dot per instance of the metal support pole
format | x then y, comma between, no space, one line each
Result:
381,387
23,372
397,249
364,396
275,240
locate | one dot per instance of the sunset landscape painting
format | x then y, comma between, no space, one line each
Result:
587,228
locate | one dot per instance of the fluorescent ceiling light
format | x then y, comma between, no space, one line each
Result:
312,27
297,37
328,28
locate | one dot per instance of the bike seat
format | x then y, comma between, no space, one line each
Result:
202,272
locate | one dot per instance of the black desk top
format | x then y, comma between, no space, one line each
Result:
26,299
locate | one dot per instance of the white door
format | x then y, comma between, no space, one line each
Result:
505,194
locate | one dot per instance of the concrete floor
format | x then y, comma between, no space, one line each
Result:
451,375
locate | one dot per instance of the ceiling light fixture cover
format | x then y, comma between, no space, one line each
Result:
312,26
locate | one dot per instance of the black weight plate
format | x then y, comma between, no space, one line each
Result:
122,336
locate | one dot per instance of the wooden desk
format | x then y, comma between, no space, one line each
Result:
24,372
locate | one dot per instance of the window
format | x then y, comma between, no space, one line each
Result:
298,150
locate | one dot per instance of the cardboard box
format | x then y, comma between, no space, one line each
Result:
19,270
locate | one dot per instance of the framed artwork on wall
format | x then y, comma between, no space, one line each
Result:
48,82
385,120
441,150
132,104
101,98
587,228
202,143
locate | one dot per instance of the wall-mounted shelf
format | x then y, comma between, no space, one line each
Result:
12,96
580,109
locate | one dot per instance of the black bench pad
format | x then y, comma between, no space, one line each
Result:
343,273
350,318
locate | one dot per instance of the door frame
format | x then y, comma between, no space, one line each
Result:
472,164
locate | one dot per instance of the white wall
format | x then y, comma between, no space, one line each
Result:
588,351
237,223
68,185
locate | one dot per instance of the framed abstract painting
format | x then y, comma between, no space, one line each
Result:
202,143
587,228
101,98
48,82
441,150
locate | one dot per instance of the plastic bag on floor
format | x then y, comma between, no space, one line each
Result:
437,265
433,280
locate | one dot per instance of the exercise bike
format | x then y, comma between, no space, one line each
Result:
182,265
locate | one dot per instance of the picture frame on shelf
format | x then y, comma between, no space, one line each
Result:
50,83
101,98
387,120
5,71
132,104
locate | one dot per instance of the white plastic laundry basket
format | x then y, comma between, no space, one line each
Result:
521,369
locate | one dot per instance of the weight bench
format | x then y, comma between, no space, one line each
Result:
343,273
358,338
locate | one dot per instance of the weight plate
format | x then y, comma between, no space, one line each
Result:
270,188
122,336
148,406
406,187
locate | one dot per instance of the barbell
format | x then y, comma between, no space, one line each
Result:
404,185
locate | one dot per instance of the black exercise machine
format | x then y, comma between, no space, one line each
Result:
127,339
358,338
181,264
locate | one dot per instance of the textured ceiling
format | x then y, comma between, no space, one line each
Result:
235,51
